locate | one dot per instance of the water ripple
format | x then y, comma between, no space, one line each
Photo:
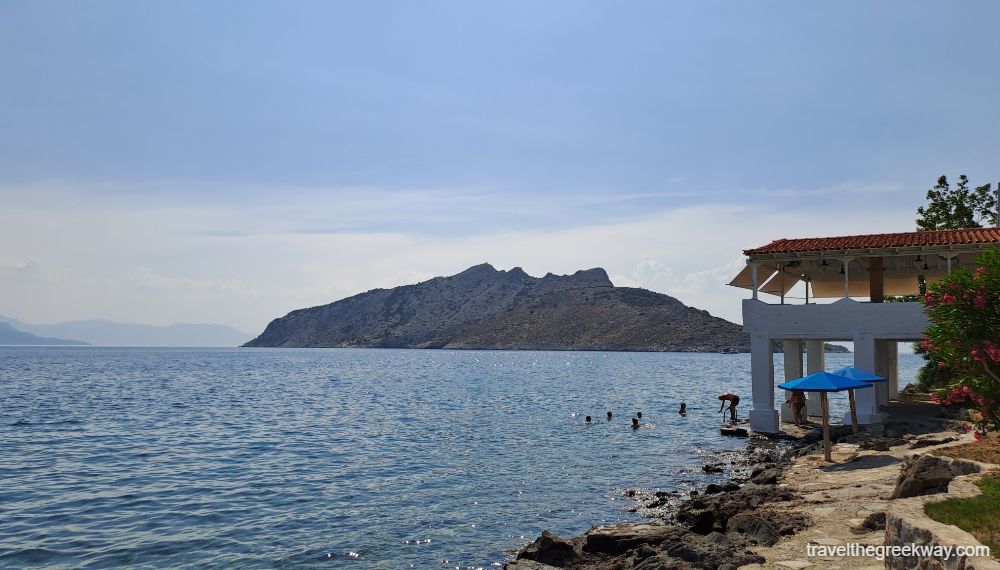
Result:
264,458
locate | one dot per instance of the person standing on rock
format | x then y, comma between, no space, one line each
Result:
797,401
733,400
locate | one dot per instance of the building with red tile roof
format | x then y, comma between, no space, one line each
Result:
859,271
898,241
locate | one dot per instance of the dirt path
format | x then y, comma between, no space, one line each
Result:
838,496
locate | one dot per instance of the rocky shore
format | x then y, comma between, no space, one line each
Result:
783,498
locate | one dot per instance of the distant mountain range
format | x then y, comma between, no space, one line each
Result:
110,333
483,308
11,336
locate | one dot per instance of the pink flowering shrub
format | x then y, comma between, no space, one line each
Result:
964,337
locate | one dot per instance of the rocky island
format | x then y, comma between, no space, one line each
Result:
485,308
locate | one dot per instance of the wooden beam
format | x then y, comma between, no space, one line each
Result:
825,406
854,411
875,285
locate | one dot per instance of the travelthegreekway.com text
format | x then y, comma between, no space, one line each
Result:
880,551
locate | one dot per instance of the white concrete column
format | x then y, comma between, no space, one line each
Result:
864,358
815,362
882,369
893,363
793,370
763,416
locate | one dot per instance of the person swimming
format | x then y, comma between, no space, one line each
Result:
638,415
635,423
609,416
587,419
684,409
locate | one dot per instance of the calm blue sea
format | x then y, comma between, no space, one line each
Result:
340,458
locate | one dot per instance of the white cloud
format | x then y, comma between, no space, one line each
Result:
244,264
19,266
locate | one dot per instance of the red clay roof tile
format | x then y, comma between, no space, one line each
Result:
970,236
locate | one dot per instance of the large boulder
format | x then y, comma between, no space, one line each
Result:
652,547
711,512
551,550
754,528
633,546
928,474
618,539
767,476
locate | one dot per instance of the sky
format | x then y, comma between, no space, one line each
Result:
228,162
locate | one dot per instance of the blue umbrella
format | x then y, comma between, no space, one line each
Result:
859,374
824,382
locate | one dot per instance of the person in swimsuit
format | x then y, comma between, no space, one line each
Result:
733,400
797,401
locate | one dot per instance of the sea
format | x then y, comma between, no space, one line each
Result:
343,458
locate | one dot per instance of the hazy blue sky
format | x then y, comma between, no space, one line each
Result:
230,161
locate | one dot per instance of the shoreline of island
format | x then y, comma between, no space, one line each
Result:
750,522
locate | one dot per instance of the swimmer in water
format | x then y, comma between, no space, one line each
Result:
638,415
684,409
587,419
635,423
609,416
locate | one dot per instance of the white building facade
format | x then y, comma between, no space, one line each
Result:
860,272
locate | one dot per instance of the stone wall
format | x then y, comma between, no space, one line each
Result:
907,524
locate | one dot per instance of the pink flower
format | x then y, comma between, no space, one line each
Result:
980,302
935,398
992,350
977,355
978,435
926,344
948,299
929,298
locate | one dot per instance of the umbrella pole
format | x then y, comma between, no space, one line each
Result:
854,411
826,425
